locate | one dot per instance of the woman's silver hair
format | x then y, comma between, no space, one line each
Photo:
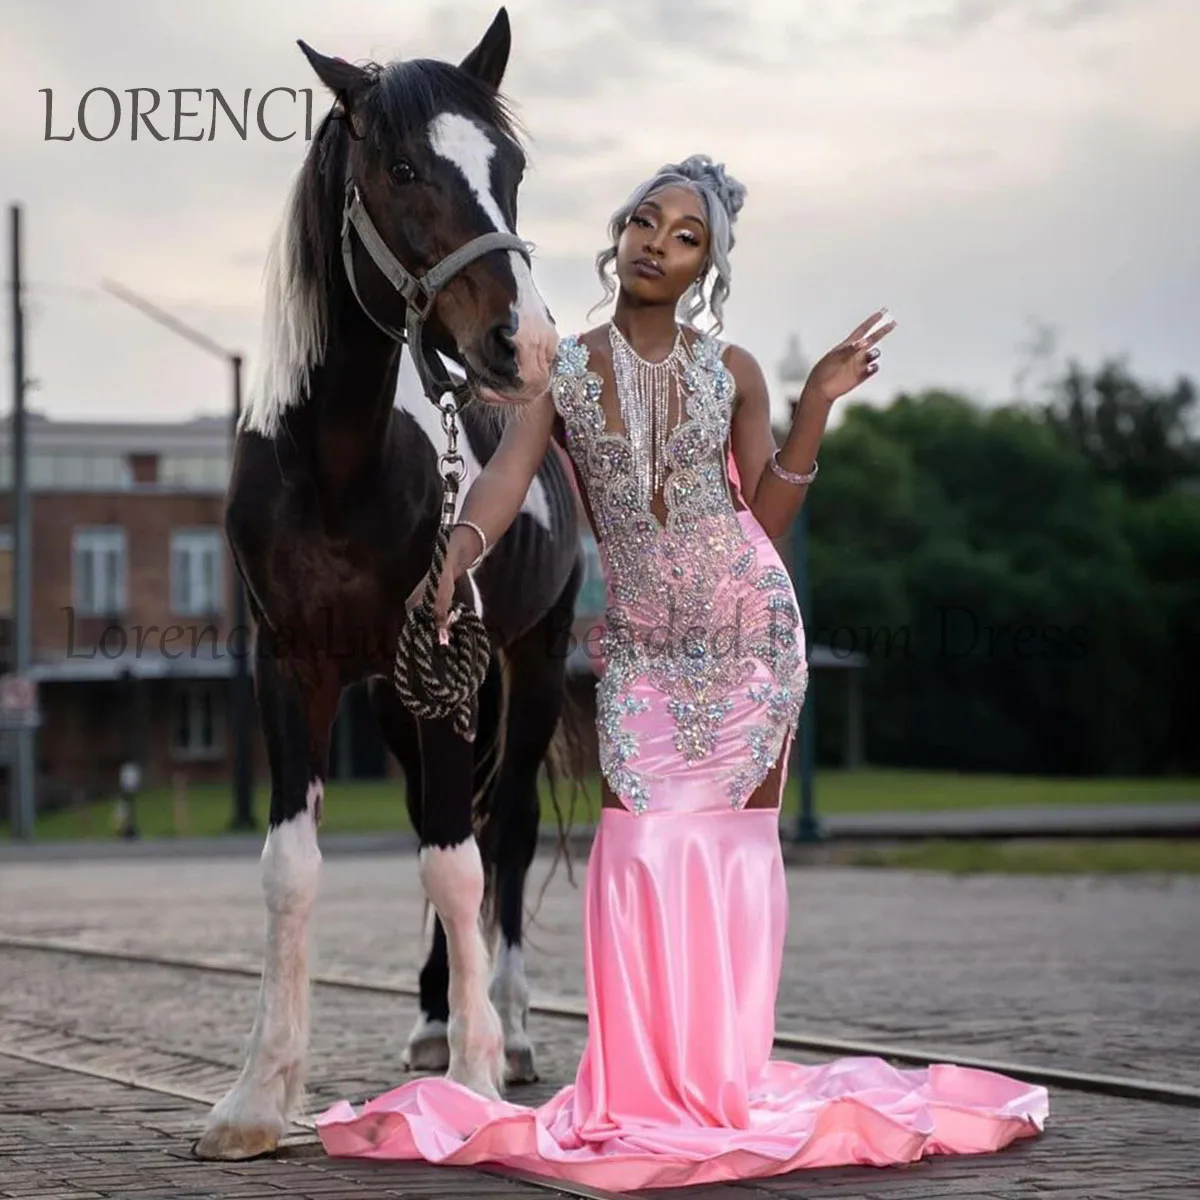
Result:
723,198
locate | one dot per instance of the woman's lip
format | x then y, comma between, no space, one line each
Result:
647,267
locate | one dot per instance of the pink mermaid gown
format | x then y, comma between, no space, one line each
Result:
686,901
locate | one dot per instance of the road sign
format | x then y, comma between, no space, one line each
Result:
19,703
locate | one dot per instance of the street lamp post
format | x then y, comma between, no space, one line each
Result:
240,695
793,371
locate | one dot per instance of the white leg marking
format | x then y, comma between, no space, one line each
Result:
510,994
461,141
253,1115
411,398
428,1046
453,881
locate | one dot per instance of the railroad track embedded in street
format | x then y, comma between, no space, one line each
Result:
563,1008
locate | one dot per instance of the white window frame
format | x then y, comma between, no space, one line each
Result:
103,542
196,545
190,697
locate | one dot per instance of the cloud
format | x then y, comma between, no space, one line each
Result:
971,164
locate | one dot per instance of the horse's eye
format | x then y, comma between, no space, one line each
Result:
402,171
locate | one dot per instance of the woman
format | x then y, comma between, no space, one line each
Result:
686,901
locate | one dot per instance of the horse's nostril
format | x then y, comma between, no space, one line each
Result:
502,343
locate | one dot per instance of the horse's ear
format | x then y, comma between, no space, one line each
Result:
489,59
344,79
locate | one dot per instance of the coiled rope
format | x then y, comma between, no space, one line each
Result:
435,681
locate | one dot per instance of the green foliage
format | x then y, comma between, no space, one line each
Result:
1026,582
1136,435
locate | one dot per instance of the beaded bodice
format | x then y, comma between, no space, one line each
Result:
696,490
689,607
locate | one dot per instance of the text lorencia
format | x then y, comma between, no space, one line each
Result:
101,115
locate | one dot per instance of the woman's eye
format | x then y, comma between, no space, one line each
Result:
402,171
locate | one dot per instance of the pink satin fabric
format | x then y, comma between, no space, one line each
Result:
684,923
685,916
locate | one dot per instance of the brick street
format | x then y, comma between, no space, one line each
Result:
1087,974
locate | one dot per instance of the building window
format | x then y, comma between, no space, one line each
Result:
194,472
196,571
79,471
98,571
196,722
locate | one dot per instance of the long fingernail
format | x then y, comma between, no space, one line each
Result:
443,637
872,368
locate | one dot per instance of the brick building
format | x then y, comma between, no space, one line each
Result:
133,647
131,591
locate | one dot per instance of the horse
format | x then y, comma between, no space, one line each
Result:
396,255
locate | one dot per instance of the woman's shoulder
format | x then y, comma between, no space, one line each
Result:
576,350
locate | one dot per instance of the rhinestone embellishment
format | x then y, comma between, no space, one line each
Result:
688,611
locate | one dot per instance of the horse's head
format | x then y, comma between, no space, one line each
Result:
433,156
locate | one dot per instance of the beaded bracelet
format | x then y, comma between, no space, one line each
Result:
482,541
791,476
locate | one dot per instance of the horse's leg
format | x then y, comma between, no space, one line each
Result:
458,1029
252,1117
427,1048
536,680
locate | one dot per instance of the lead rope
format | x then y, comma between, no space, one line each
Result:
434,681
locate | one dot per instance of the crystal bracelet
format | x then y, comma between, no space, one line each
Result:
791,476
482,541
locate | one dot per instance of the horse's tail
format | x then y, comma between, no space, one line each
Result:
568,757
567,762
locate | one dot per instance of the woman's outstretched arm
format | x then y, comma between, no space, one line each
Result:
493,501
773,499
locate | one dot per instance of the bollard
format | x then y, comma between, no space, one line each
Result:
130,781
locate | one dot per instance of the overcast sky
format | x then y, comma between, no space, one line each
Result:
974,164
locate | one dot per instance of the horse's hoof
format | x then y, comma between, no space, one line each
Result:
235,1143
520,1068
429,1053
480,1085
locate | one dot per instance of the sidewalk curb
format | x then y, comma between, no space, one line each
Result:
1077,821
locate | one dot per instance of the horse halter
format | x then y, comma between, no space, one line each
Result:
432,683
419,292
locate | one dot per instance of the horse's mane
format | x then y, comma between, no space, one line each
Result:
303,265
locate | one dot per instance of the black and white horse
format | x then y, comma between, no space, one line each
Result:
332,513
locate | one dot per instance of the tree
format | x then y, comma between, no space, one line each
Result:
1023,610
1135,434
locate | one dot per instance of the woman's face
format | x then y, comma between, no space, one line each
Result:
663,247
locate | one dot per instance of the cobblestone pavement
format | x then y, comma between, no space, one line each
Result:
1098,975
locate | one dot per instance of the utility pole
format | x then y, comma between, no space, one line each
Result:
808,828
243,783
793,372
240,697
22,799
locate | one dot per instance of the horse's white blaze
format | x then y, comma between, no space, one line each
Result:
272,1078
453,881
410,396
461,141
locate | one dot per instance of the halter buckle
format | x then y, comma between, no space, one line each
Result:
421,301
